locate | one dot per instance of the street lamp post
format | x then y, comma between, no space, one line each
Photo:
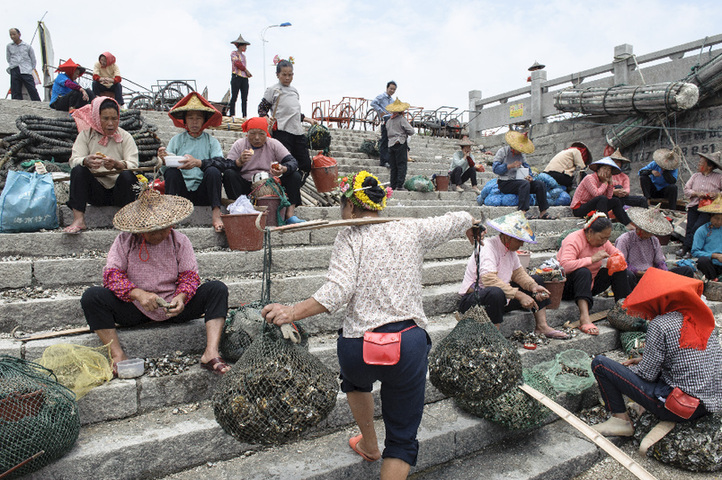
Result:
263,40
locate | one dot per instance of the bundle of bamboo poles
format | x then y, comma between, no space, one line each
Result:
708,79
628,99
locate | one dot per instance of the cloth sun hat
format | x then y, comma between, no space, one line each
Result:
352,187
594,166
152,211
256,122
650,220
515,225
398,106
715,158
659,292
519,141
667,159
713,208
240,41
617,155
88,116
68,67
194,102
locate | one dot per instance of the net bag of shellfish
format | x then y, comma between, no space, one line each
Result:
569,372
474,361
514,409
622,321
693,446
241,324
37,414
633,342
275,392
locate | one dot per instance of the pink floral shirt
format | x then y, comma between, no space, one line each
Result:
376,270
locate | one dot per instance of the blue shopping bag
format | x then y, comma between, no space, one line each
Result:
28,203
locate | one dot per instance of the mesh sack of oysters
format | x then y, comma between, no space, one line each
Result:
633,342
275,392
569,372
622,321
694,446
474,361
514,409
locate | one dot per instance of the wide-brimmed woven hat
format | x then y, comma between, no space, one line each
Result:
536,66
650,220
715,158
594,166
714,207
666,158
519,141
617,155
194,102
515,225
465,142
398,106
152,211
240,41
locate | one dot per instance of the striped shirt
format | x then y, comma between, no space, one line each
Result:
696,372
701,183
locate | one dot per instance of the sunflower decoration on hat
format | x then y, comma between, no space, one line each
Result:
196,103
518,141
355,189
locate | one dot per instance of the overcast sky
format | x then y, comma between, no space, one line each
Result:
436,51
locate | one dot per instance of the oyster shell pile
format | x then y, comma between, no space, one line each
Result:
514,408
274,393
474,361
694,446
171,364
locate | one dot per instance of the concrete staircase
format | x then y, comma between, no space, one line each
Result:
163,427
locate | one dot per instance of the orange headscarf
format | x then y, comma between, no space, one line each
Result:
659,292
256,122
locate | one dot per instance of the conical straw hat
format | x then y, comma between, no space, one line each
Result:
594,166
715,158
519,141
650,220
240,41
667,159
398,106
617,155
714,207
515,225
194,101
152,211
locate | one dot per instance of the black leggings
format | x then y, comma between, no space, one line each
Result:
458,177
236,185
238,83
562,179
581,285
86,189
603,204
208,192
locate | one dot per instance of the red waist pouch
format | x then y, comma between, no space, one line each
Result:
383,348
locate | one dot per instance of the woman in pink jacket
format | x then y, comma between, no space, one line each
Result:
581,258
596,192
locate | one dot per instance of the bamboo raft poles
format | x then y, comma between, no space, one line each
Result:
628,99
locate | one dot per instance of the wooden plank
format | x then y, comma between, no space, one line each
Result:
594,317
625,460
316,224
61,333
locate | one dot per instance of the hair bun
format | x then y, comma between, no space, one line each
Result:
373,190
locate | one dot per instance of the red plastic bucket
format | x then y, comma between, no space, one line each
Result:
556,288
271,202
244,231
325,178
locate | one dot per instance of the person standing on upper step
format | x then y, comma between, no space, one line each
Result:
701,188
621,183
564,164
21,63
515,174
399,130
463,166
239,76
658,178
379,104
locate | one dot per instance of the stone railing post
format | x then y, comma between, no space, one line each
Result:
474,114
623,63
538,77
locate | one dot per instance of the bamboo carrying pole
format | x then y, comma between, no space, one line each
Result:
625,460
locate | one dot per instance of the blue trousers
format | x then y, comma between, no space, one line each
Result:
615,380
402,385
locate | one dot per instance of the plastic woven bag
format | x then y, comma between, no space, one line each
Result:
78,367
622,321
570,371
419,183
275,392
36,414
474,361
514,409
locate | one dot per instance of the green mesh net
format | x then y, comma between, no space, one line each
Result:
514,408
275,392
570,371
370,148
240,325
633,342
37,414
622,321
474,361
419,183
695,446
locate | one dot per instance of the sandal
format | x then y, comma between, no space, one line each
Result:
531,216
546,216
589,329
216,365
353,443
